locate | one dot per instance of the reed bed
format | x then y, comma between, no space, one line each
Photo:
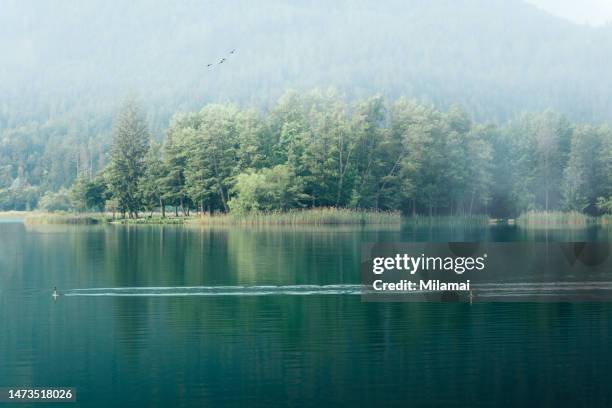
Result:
315,216
13,214
155,220
65,218
448,220
553,219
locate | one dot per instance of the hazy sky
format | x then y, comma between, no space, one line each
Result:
594,12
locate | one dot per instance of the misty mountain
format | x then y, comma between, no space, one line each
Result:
497,58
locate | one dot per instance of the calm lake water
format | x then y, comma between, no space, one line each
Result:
244,350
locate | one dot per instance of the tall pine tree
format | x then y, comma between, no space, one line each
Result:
128,151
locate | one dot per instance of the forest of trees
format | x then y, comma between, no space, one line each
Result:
66,66
70,62
316,149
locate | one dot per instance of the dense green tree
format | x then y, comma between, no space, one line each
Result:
212,162
128,151
479,161
175,154
372,163
423,168
604,204
584,171
23,198
150,183
320,154
78,193
86,194
268,189
543,143
55,201
255,141
605,158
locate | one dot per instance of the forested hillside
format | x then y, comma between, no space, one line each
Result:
66,66
317,150
495,57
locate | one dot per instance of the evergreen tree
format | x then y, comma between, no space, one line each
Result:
584,171
175,156
212,162
150,184
88,194
127,164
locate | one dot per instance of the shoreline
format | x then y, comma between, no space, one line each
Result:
312,217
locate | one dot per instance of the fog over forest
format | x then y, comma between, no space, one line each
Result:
66,67
494,57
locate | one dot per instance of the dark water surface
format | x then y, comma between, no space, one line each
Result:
314,349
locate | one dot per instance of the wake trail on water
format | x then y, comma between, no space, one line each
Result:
258,290
480,289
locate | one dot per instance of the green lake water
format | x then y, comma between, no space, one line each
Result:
247,348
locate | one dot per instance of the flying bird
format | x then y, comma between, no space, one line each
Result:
222,59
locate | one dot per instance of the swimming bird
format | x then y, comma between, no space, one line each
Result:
233,51
208,65
222,60
55,294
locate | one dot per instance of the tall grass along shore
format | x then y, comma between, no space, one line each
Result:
553,219
329,216
315,216
448,220
65,218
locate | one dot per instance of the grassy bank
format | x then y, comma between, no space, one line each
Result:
560,219
448,220
153,220
13,214
316,216
324,216
65,218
